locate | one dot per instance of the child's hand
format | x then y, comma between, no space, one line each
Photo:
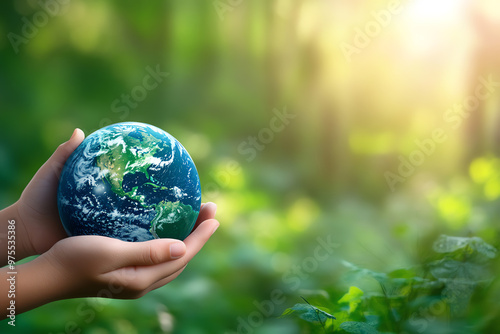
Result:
89,264
84,266
37,213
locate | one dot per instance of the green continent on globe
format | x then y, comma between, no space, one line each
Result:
169,213
122,154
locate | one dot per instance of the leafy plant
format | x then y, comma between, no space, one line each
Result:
311,313
414,300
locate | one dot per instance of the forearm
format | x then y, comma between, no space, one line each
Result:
13,236
28,286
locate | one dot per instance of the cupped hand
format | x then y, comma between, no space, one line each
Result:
106,267
37,207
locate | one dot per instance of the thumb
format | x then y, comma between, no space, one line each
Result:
49,173
151,252
62,153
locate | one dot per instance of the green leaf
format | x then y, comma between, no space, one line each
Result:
362,272
287,312
458,270
353,297
447,244
356,327
372,320
309,313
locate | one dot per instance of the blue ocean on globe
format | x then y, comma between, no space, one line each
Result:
130,181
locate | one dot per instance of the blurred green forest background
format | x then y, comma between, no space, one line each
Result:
372,126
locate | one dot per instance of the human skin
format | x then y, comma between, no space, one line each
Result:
83,266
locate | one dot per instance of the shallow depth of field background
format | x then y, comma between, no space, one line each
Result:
362,106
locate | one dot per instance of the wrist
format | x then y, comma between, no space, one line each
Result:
38,284
13,245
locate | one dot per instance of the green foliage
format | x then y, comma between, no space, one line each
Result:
410,299
465,246
353,298
309,313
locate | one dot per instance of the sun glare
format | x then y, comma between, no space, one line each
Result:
433,28
441,12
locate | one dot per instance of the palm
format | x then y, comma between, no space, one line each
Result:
92,264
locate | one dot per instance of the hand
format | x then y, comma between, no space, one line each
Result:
38,216
96,266
107,267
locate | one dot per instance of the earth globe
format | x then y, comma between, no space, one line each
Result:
131,181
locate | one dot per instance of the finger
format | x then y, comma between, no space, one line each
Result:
64,150
166,280
207,211
157,284
62,153
149,253
45,181
200,236
194,242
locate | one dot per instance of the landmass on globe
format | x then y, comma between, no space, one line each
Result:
130,181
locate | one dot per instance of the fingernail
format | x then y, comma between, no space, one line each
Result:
177,250
75,132
213,206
